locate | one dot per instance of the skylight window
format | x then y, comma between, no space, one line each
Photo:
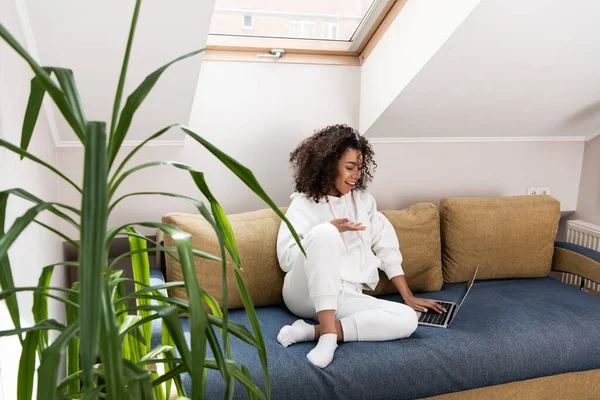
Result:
336,27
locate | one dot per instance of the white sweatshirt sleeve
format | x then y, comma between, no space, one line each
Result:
384,240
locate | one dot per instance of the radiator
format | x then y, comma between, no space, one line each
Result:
587,235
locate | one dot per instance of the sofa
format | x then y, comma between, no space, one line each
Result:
519,334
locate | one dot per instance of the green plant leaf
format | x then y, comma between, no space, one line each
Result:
58,233
27,365
140,167
110,347
7,239
66,80
160,349
136,149
6,277
134,101
246,176
130,325
72,316
92,256
51,206
226,239
40,306
43,325
226,232
139,383
174,195
249,393
170,320
197,314
141,273
158,392
50,364
59,97
123,75
34,104
25,154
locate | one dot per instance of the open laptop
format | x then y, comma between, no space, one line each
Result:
443,320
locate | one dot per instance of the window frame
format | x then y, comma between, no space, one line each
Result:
353,52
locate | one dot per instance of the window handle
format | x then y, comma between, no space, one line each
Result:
274,53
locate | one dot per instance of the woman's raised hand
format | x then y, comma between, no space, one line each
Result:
344,224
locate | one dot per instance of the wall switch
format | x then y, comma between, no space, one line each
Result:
539,190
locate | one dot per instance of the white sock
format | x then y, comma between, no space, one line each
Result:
299,331
322,354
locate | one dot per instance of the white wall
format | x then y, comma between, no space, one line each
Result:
255,112
409,173
512,69
90,37
416,34
35,248
588,206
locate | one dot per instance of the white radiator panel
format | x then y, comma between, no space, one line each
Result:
587,235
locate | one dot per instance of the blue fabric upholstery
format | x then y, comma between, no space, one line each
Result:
156,278
593,254
507,330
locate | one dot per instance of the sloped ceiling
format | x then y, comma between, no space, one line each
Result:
513,68
90,37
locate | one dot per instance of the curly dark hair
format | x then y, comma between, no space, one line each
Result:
315,160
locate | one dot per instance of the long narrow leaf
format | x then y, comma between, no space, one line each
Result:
123,75
40,306
136,149
53,90
226,239
34,104
66,80
141,273
134,101
25,154
52,207
140,167
27,365
246,176
167,194
139,382
160,349
43,325
6,240
72,316
6,277
110,347
198,318
170,318
91,253
58,233
226,232
50,364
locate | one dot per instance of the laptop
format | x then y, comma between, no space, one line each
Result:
443,320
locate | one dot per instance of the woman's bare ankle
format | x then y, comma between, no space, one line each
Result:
323,330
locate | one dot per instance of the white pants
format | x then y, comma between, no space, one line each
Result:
314,285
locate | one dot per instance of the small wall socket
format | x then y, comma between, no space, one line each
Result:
540,190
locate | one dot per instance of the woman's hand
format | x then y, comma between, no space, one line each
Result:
423,305
344,224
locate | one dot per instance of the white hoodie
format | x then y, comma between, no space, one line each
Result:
375,247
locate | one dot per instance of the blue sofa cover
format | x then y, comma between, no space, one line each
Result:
508,330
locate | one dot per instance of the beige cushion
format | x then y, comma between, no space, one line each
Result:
256,236
508,237
418,231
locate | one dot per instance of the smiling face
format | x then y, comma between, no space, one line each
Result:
348,172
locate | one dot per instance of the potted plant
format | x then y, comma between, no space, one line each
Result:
107,349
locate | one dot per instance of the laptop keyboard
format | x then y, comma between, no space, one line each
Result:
433,317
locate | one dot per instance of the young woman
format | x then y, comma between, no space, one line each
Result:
346,241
